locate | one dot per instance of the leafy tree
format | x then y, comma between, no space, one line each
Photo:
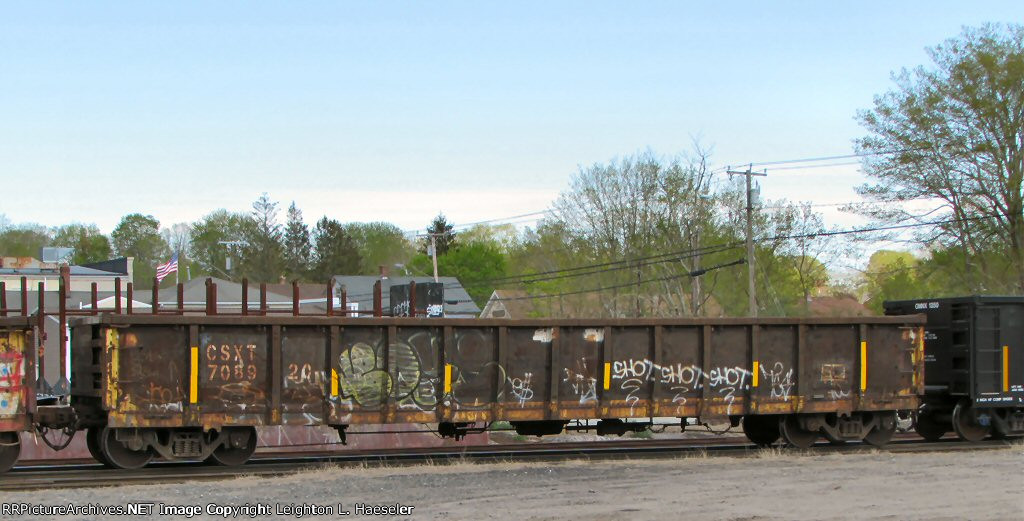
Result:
297,246
262,258
177,238
474,264
804,251
443,235
379,244
138,236
206,239
334,252
23,241
90,245
665,239
504,236
954,133
637,207
891,275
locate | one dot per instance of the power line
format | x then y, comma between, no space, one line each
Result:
822,205
833,158
626,266
580,271
694,273
488,221
726,246
531,214
742,261
804,167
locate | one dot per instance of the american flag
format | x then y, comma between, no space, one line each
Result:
167,268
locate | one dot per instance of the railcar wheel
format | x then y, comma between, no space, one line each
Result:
929,427
882,433
92,442
120,455
795,435
761,430
10,449
241,445
965,422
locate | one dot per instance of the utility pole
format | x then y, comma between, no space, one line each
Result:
433,252
750,234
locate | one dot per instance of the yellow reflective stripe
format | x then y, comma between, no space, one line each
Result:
1006,369
193,389
607,375
756,364
114,348
863,366
334,383
447,378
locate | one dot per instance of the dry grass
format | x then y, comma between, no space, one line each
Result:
697,454
773,453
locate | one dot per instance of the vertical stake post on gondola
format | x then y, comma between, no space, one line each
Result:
263,298
41,338
245,296
181,298
330,297
412,298
378,301
117,295
156,296
24,296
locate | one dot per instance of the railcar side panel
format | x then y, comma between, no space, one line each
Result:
245,371
527,354
773,376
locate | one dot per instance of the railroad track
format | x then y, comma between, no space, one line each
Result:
95,475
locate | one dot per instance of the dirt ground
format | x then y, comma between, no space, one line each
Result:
766,485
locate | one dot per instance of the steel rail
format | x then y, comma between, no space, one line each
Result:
95,475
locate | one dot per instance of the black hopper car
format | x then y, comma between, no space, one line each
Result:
974,366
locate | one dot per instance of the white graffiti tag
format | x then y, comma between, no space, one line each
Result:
779,380
521,390
680,378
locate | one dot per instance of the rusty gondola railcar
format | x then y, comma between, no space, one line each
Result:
17,385
196,386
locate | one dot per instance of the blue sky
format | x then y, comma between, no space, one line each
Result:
396,111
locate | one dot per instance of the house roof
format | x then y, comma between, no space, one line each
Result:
359,289
194,292
76,300
514,302
80,271
306,291
118,265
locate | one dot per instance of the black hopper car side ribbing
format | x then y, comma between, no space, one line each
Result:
974,366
